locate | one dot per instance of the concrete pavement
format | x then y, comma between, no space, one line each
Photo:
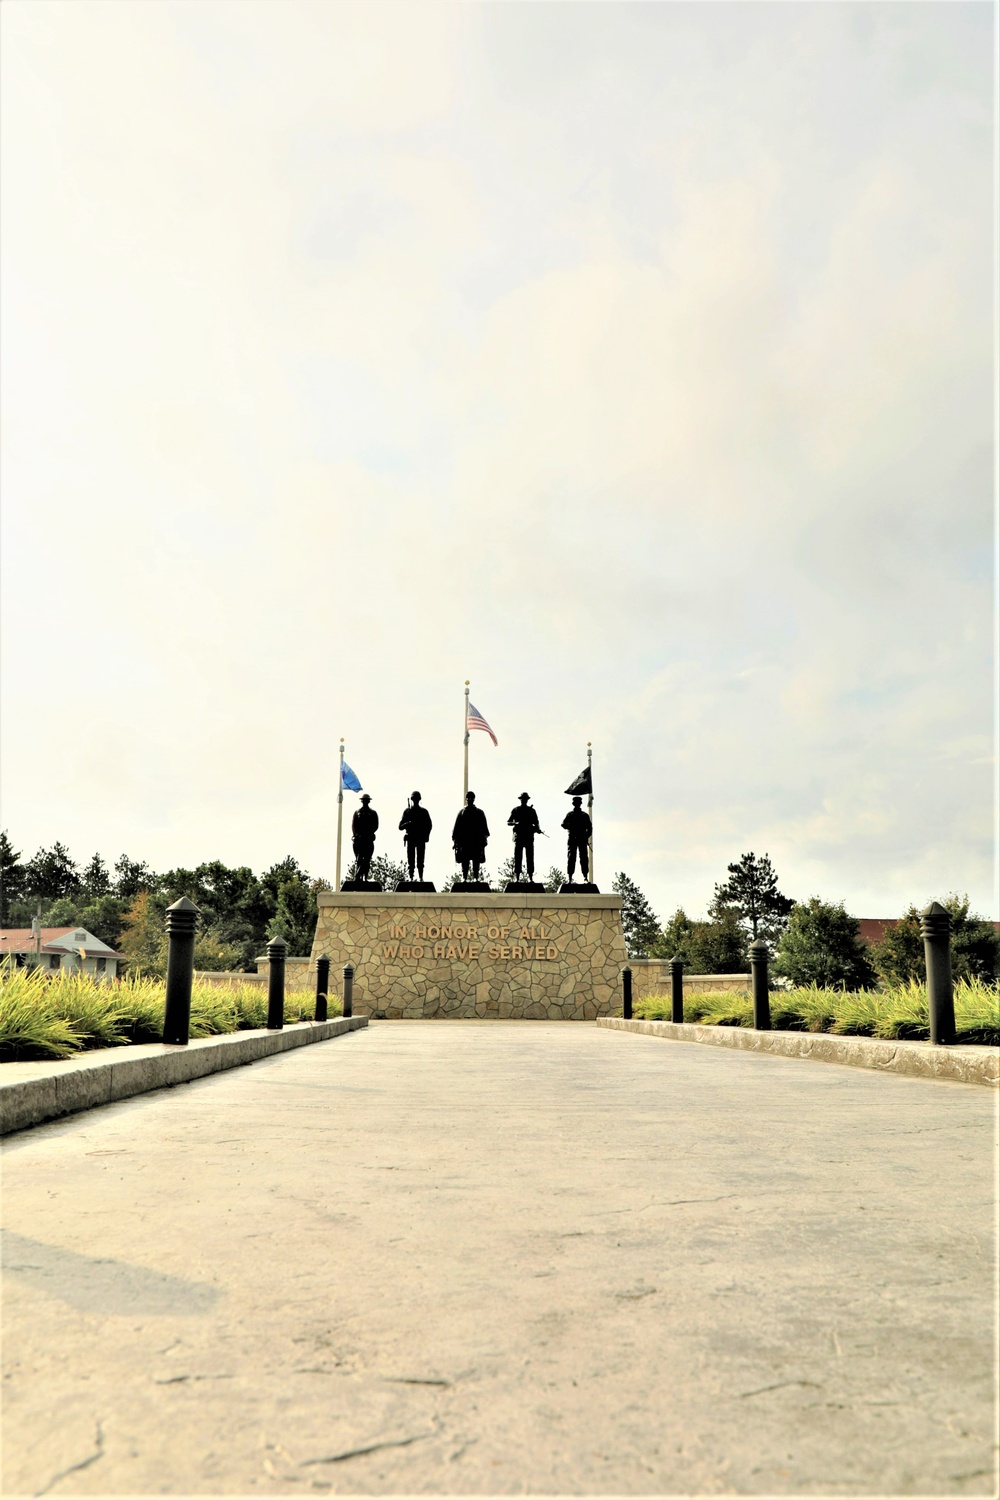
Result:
499,1258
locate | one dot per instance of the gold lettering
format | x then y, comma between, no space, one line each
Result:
504,931
473,950
494,950
504,951
539,951
389,950
451,951
552,951
433,932
524,933
417,951
439,950
492,932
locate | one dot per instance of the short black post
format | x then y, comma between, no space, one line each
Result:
348,990
935,928
322,986
761,998
627,993
182,919
276,950
677,988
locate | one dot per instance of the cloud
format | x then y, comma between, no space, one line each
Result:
632,361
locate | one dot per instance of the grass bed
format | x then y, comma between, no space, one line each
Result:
43,1017
898,1013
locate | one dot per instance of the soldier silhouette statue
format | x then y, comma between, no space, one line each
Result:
364,826
524,821
579,828
415,825
469,836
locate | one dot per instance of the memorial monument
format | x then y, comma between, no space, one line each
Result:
525,953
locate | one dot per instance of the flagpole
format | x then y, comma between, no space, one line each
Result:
340,811
590,809
465,780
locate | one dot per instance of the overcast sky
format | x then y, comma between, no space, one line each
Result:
633,361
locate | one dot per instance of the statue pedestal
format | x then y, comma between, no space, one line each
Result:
362,885
524,888
415,885
482,955
462,887
584,889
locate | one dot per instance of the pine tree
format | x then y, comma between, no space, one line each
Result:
640,923
11,877
752,893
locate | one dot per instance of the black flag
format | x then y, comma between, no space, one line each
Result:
582,786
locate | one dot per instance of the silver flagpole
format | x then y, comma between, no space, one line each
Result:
340,811
590,809
465,781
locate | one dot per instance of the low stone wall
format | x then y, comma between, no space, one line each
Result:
651,976
226,978
300,974
415,954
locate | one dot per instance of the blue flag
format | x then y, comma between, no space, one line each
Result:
348,779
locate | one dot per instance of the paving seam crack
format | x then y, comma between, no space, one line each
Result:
74,1468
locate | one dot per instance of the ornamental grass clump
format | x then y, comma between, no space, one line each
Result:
895,1013
46,1015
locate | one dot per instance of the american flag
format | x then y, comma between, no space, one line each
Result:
475,720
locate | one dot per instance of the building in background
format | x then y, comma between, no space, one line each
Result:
60,948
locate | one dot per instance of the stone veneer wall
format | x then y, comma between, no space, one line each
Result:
651,976
420,955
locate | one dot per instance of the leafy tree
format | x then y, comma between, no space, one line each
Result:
752,892
717,947
640,923
387,870
975,946
822,945
212,953
295,915
61,913
11,878
103,917
131,877
144,938
555,878
50,874
95,880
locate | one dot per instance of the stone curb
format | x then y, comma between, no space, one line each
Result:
39,1091
914,1059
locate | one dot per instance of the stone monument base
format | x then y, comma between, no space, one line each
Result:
478,955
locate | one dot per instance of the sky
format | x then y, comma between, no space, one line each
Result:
633,361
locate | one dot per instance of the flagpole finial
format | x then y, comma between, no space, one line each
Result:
467,682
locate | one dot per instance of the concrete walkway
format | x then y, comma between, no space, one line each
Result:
498,1258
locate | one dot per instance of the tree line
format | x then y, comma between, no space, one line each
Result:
812,942
125,905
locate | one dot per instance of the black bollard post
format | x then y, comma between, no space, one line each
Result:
276,950
935,928
348,990
761,998
627,993
677,989
182,919
322,986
